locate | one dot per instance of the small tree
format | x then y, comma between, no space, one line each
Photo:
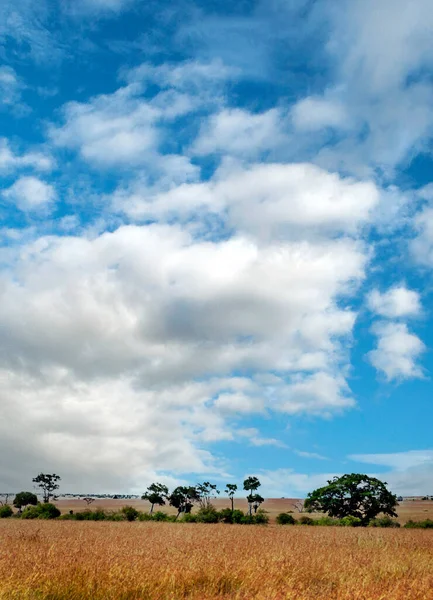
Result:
183,498
4,499
231,489
206,492
156,493
88,500
48,484
24,499
255,500
251,484
353,495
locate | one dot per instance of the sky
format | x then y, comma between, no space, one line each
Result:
216,243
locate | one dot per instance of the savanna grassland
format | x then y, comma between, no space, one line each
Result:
55,560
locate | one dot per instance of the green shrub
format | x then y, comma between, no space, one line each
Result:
145,517
248,520
6,511
426,524
384,522
261,517
189,518
285,519
350,521
304,520
98,514
207,515
160,516
130,513
327,522
45,510
117,516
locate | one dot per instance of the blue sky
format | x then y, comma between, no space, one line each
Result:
216,242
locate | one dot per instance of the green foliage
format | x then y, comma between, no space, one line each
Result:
48,483
350,521
6,511
44,510
156,493
251,484
353,495
261,517
285,519
326,522
384,522
145,517
304,520
24,499
226,515
131,513
183,498
248,520
189,518
98,514
206,491
230,490
426,524
160,516
207,515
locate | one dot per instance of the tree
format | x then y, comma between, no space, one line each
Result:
353,495
156,493
231,489
254,500
183,498
88,500
48,484
4,501
251,484
24,499
206,492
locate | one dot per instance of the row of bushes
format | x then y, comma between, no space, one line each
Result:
426,524
287,519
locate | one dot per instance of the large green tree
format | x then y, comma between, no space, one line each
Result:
23,499
48,483
183,498
156,493
353,495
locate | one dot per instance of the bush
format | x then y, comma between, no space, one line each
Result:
384,522
98,514
248,520
6,511
189,518
304,520
207,515
160,516
145,517
285,519
41,511
427,524
350,521
130,513
261,517
327,522
117,516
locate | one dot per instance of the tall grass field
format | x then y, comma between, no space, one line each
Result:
43,560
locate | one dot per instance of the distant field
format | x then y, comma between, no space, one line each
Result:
55,560
408,509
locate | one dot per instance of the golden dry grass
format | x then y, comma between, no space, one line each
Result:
131,561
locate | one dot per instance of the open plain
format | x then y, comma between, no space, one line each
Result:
68,560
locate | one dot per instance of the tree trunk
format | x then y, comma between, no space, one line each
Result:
233,503
151,509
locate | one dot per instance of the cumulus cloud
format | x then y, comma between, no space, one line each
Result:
315,113
397,351
396,302
29,193
11,161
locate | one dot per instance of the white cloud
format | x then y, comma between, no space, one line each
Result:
269,201
400,461
30,194
396,302
313,455
422,245
10,161
239,132
397,351
315,113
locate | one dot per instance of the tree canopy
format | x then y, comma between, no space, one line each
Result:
23,499
353,495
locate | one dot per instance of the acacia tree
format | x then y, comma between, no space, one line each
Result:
183,498
255,500
206,492
24,499
48,484
251,484
230,490
353,495
88,500
156,493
